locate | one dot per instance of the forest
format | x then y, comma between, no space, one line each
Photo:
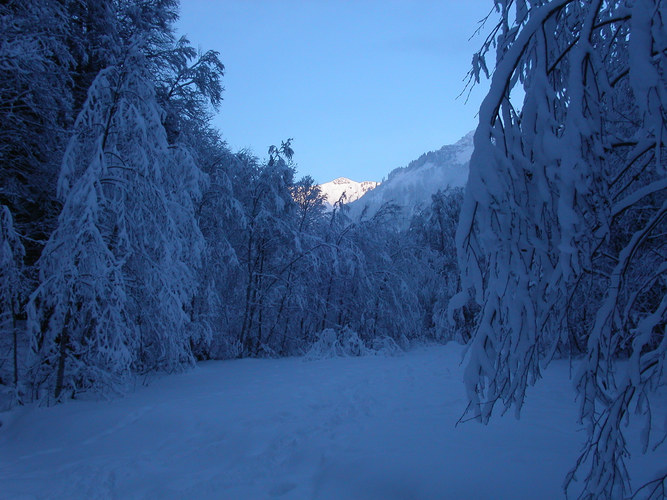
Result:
134,241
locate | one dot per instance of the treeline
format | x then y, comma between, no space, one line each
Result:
134,240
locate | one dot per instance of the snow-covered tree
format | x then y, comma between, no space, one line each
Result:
433,229
117,275
35,108
294,282
188,84
310,202
268,240
568,189
218,213
12,285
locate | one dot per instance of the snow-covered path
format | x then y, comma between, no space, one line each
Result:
369,428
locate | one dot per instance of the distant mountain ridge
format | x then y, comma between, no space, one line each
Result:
353,190
412,186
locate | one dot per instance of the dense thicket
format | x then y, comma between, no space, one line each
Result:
562,236
133,240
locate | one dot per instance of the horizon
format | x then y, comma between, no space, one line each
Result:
361,88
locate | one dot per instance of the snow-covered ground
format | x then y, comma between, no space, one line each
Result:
367,428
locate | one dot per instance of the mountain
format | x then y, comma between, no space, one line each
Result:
353,190
413,185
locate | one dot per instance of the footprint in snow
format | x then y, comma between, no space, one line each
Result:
130,419
281,489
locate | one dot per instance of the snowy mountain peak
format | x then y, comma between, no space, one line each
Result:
353,190
342,180
413,185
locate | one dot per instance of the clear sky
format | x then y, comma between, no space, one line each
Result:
361,86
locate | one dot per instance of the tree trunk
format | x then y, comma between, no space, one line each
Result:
60,374
16,356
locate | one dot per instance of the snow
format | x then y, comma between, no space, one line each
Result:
362,427
413,185
353,190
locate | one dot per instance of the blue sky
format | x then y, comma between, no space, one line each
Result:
361,86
